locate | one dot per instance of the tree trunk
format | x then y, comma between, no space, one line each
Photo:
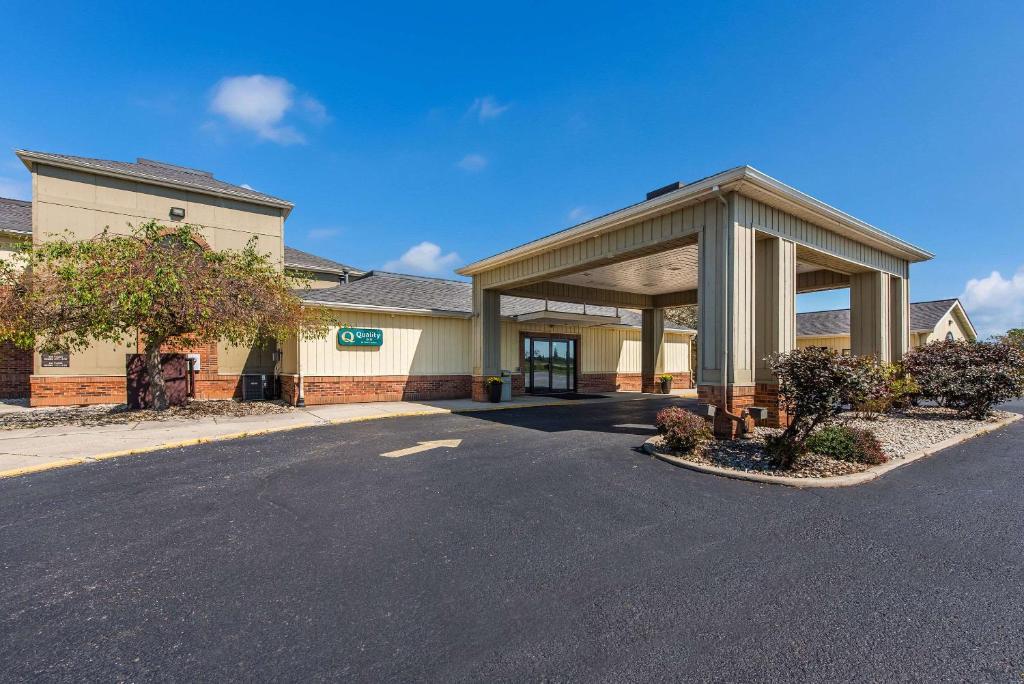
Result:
157,386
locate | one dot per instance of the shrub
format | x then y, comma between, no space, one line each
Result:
813,386
847,444
970,377
887,386
665,377
682,431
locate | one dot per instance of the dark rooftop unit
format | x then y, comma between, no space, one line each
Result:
664,190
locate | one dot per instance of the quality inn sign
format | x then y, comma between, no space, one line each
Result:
360,337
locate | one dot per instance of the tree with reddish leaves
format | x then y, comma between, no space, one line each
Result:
160,283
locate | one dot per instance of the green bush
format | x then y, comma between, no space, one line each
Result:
970,377
814,384
847,444
682,431
887,386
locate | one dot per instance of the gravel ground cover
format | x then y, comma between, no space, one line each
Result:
114,414
900,433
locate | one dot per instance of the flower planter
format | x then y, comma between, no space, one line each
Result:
666,386
494,392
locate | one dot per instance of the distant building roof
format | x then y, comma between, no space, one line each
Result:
436,295
924,316
296,258
15,216
157,172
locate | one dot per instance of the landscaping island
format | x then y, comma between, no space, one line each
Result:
851,418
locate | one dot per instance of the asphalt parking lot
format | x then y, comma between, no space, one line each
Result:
543,546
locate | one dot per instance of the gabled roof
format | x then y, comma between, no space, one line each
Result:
159,173
924,316
685,194
296,258
15,216
396,291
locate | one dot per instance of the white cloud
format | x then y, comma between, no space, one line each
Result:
246,186
323,233
578,214
995,303
472,162
260,103
425,258
15,189
487,107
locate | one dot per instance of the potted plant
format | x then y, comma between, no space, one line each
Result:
666,383
493,389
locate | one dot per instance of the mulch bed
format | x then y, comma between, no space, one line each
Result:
900,433
87,416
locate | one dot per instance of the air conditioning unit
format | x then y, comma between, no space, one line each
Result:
255,388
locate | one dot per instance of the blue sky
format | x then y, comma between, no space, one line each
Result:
474,127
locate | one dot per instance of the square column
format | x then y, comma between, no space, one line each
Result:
652,356
726,309
775,318
870,315
486,338
899,317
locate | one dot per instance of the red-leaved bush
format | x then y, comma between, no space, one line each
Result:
682,431
970,377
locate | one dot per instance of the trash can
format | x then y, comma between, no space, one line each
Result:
506,385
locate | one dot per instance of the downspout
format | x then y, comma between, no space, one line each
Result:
300,401
736,418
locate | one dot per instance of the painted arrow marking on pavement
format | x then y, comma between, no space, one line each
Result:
423,446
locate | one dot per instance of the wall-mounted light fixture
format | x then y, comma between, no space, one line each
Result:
177,213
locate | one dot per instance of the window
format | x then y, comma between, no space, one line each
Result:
949,336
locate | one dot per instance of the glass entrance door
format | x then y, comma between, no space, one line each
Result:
550,364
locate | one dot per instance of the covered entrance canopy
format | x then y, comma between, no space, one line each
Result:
741,245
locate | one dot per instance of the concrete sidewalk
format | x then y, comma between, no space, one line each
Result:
35,449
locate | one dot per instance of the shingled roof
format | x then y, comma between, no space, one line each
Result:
15,216
156,171
924,316
296,258
381,289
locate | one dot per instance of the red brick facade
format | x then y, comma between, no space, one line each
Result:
739,396
328,389
626,382
75,390
15,370
766,395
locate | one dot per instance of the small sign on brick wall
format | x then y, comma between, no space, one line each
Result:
58,359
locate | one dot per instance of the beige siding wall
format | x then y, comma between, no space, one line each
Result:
317,280
232,360
949,323
837,343
413,345
764,218
677,353
102,358
85,203
427,345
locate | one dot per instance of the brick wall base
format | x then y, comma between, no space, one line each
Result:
77,390
608,382
766,395
739,396
15,371
327,389
83,390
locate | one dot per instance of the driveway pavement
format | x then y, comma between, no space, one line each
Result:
542,547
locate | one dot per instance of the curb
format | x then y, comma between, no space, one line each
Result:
81,460
649,447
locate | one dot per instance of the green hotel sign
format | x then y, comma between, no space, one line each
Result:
360,337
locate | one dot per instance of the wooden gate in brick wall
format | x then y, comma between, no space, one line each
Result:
177,378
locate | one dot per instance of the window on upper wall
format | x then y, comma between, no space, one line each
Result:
949,336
